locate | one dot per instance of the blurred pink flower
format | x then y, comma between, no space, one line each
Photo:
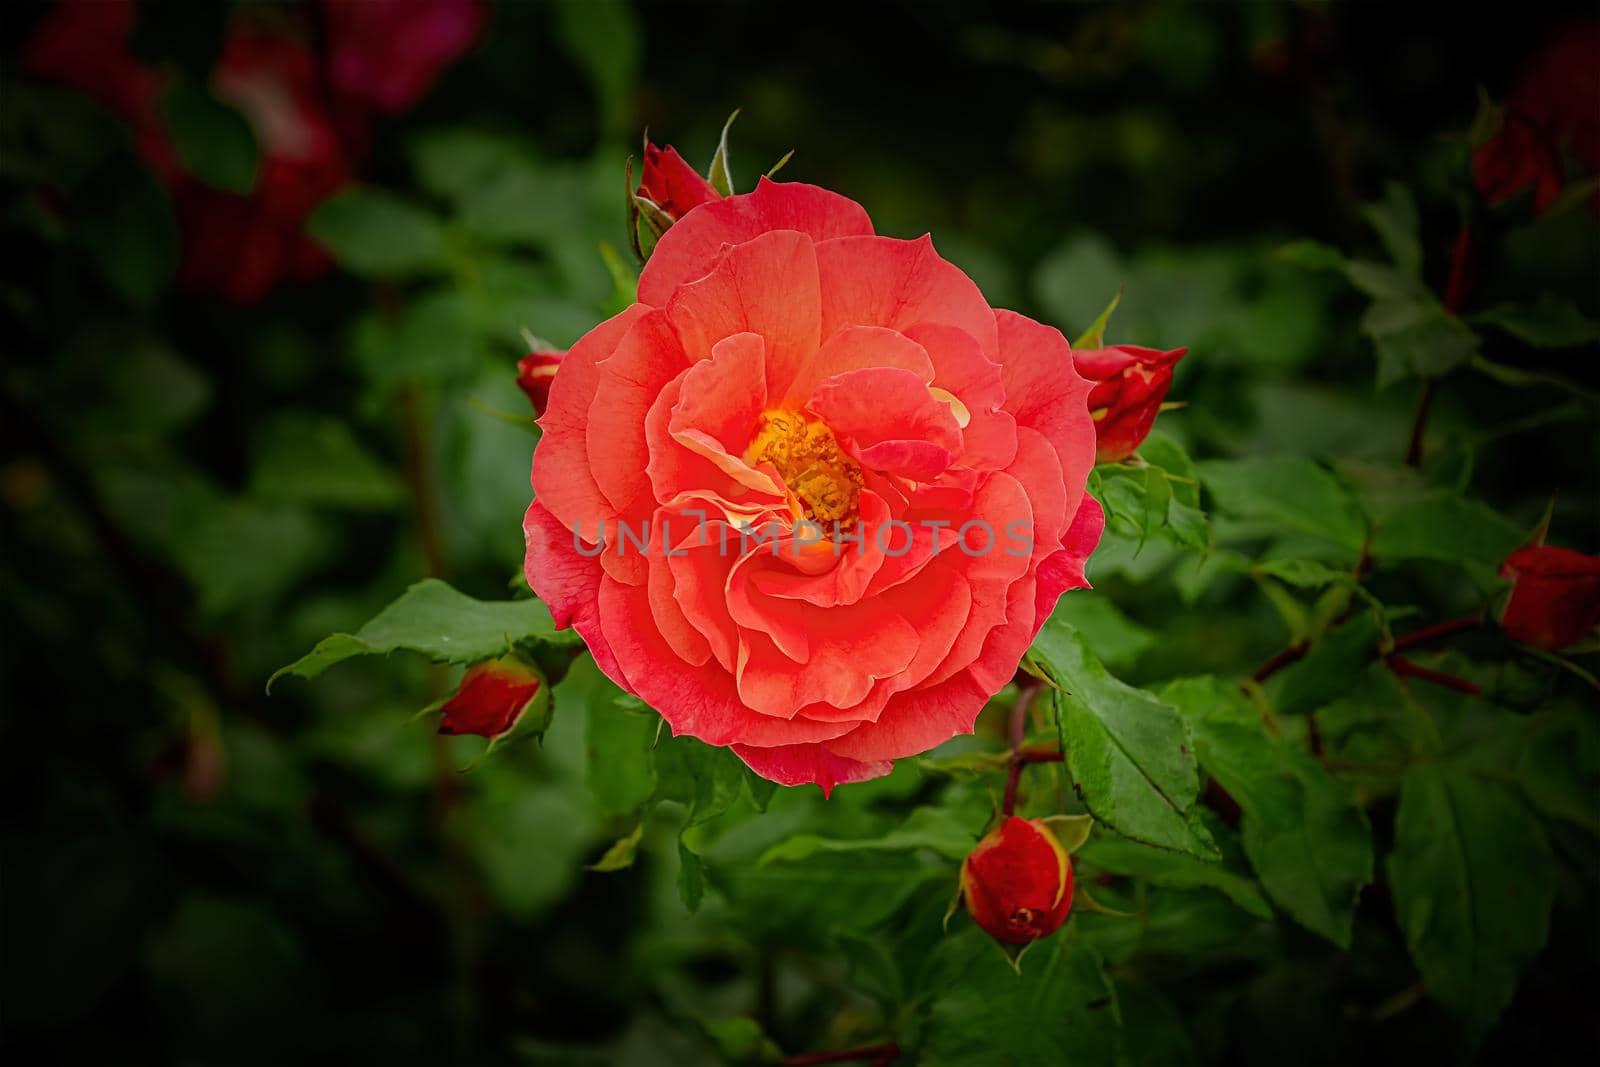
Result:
386,54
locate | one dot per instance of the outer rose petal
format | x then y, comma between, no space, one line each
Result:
804,764
1045,392
687,250
561,475
567,582
1063,570
880,281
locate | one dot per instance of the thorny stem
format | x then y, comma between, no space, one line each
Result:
1283,658
1438,631
880,1055
1455,299
1021,756
1405,668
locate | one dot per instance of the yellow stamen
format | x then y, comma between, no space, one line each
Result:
825,481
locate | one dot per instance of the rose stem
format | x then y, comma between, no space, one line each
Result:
1455,298
1438,631
1404,668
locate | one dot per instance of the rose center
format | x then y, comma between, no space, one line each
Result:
825,481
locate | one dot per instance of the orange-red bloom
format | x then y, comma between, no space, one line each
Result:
535,372
790,376
491,698
1130,383
1017,882
1555,598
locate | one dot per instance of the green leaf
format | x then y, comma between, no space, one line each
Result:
1290,492
130,233
316,460
720,177
438,621
1445,526
527,838
1120,856
619,739
691,877
1324,673
1095,336
213,140
1417,340
377,234
1306,837
245,553
941,830
1116,639
1548,322
1395,219
802,902
1128,753
1061,1008
1312,255
1473,888
621,854
1559,769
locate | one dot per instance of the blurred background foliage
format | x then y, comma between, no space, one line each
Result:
215,456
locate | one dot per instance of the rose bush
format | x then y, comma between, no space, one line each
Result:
785,366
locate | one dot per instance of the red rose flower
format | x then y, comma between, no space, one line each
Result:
491,698
1555,596
1129,385
84,44
787,375
1017,882
386,54
535,372
1551,108
671,184
242,246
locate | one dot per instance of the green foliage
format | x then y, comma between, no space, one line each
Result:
1473,888
1306,837
377,234
439,622
1129,754
213,141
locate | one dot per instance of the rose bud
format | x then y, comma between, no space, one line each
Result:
671,184
1555,596
492,697
535,372
1017,882
1130,383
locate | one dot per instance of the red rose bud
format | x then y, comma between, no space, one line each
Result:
1017,883
671,184
492,697
1129,385
1555,596
535,372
